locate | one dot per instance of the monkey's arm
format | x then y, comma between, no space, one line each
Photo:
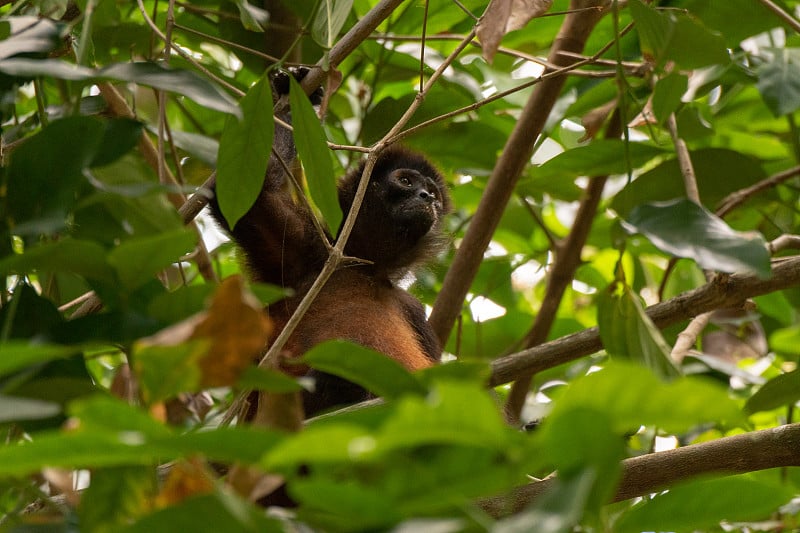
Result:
277,236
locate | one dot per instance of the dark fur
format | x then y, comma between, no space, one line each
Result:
398,227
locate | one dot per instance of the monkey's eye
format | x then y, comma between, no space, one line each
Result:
404,181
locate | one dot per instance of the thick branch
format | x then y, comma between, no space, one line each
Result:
568,259
725,291
747,452
515,156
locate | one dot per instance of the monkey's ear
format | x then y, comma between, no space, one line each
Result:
280,83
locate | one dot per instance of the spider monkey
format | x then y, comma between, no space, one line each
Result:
397,229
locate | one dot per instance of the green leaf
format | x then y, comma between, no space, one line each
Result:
198,513
667,95
446,417
777,392
83,258
183,82
779,81
112,433
599,158
556,511
701,504
111,414
23,35
244,150
581,440
670,36
41,190
116,496
257,378
372,370
684,229
14,408
627,331
321,444
631,396
253,18
138,260
16,355
330,17
316,157
21,67
785,340
719,172
166,371
119,137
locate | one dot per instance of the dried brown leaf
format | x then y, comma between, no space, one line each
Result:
186,478
238,329
503,16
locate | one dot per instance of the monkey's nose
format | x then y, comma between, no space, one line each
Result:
425,195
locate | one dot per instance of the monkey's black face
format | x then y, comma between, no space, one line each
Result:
412,200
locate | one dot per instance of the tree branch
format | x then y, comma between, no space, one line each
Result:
723,291
515,156
747,452
568,259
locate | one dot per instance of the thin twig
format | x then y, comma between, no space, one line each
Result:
783,15
736,198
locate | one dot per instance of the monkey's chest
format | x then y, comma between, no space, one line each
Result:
358,312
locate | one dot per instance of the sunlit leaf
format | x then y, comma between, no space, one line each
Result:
329,19
779,81
21,35
704,503
777,392
628,332
599,158
374,371
316,157
632,395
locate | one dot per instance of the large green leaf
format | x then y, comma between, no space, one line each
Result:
316,157
15,355
779,391
84,258
41,190
719,172
701,504
208,511
685,229
374,371
599,158
183,82
23,35
244,150
631,395
779,81
112,433
137,260
672,36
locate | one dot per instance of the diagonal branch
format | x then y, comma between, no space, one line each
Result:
724,291
514,158
747,452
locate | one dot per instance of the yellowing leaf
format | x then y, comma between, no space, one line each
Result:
238,330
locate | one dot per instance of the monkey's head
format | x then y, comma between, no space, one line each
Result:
399,221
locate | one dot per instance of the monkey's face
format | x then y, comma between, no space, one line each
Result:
412,200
